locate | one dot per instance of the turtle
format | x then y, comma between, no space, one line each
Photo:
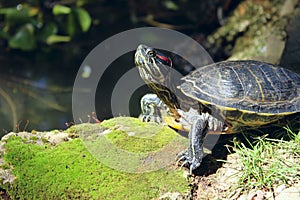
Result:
224,97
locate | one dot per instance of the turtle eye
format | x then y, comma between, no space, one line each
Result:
151,53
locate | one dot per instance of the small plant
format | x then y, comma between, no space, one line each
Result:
268,163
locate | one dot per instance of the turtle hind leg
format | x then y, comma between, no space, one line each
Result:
152,108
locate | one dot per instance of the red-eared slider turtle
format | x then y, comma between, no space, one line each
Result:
224,96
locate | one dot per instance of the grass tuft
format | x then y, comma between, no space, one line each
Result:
268,163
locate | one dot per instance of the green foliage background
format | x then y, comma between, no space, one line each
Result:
26,25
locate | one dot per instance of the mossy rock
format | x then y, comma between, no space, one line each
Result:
69,171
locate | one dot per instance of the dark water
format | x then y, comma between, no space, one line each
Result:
36,103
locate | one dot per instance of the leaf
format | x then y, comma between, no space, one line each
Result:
15,16
71,24
57,38
24,38
84,19
80,3
32,11
48,30
171,5
61,10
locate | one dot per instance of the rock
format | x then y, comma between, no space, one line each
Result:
255,30
51,165
56,138
173,196
292,192
7,176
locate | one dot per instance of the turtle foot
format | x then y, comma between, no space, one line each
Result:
152,108
151,118
187,160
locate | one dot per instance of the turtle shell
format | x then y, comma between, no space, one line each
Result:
250,92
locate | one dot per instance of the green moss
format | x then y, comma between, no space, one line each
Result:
55,131
83,129
133,135
69,171
132,146
124,120
44,140
34,138
71,130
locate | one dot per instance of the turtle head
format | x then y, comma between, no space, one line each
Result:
152,64
154,68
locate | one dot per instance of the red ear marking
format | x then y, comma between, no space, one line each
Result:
165,59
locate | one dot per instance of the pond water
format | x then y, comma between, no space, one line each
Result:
28,103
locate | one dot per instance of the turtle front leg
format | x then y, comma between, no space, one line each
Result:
152,108
199,129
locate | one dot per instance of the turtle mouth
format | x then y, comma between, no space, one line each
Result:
142,48
139,55
139,61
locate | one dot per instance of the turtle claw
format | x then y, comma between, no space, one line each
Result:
194,166
193,162
181,159
151,118
183,164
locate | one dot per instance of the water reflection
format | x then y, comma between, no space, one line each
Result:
27,104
